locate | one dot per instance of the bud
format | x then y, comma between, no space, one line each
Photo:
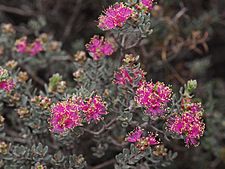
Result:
11,64
3,147
39,166
22,77
80,57
23,112
54,82
8,28
191,86
2,119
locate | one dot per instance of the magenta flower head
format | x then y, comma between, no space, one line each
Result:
135,135
153,97
114,16
35,48
99,47
147,4
127,75
66,115
21,45
94,108
152,140
141,142
7,85
189,123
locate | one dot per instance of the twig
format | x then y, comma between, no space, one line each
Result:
70,22
105,127
33,75
104,164
17,11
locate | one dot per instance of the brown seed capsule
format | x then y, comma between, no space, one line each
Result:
61,87
80,57
8,28
11,64
3,147
1,50
54,46
43,37
15,98
23,112
2,119
130,58
78,74
160,150
22,77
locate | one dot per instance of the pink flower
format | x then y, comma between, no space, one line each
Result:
189,123
98,47
128,75
148,4
94,109
154,97
21,45
152,139
115,16
66,115
7,85
135,135
35,48
141,143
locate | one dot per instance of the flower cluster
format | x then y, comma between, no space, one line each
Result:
147,4
189,123
6,83
154,97
66,115
114,16
99,47
94,108
23,47
142,142
128,75
69,114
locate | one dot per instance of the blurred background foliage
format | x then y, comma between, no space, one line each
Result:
188,42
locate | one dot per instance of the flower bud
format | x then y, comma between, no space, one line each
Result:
191,86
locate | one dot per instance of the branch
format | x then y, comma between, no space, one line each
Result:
105,127
16,11
104,164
